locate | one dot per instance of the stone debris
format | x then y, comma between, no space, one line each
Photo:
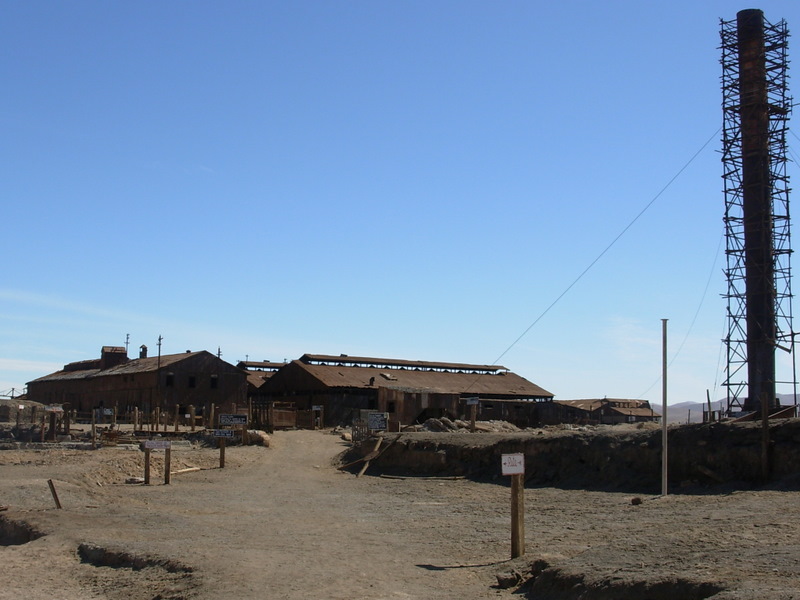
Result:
445,425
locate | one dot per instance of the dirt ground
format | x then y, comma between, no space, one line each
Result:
284,522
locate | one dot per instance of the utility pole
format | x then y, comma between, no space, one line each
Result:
663,407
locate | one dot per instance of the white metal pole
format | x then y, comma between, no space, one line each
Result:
664,407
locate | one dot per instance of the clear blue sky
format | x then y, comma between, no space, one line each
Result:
418,180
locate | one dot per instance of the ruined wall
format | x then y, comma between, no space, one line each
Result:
602,458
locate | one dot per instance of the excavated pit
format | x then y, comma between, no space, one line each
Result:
16,533
99,556
555,584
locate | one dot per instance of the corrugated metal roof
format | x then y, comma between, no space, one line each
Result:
503,383
621,405
138,365
393,363
151,363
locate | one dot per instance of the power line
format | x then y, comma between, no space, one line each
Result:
694,319
607,248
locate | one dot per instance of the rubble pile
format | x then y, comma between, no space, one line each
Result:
445,425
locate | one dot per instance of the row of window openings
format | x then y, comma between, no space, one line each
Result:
192,381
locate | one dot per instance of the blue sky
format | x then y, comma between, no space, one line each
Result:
417,180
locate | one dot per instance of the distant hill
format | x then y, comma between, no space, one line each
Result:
692,412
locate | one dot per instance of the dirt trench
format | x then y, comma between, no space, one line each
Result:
604,458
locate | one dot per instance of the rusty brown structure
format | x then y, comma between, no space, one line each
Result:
755,114
597,411
197,379
410,391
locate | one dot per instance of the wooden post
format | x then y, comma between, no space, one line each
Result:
114,416
167,465
52,433
177,416
19,414
94,429
66,419
42,427
473,415
135,418
517,515
53,492
147,466
765,467
191,417
221,453
211,419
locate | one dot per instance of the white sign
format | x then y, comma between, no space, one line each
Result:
513,464
55,409
233,419
156,444
473,401
316,407
22,407
223,433
378,421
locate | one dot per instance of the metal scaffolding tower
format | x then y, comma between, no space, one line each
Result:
756,111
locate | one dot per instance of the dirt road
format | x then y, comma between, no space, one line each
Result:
282,522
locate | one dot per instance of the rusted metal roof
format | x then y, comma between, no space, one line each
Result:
138,365
393,363
621,405
373,373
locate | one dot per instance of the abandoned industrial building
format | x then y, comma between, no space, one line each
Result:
607,411
409,391
197,379
317,389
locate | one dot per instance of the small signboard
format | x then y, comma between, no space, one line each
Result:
316,407
223,433
233,419
108,411
473,401
55,409
378,421
156,445
513,464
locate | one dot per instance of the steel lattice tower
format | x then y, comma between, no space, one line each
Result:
756,111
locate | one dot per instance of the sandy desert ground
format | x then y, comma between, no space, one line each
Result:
284,522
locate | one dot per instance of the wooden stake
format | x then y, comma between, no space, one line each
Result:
94,429
370,456
222,453
147,466
517,515
177,416
53,492
473,415
167,463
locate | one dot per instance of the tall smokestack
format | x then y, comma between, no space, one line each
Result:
756,210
